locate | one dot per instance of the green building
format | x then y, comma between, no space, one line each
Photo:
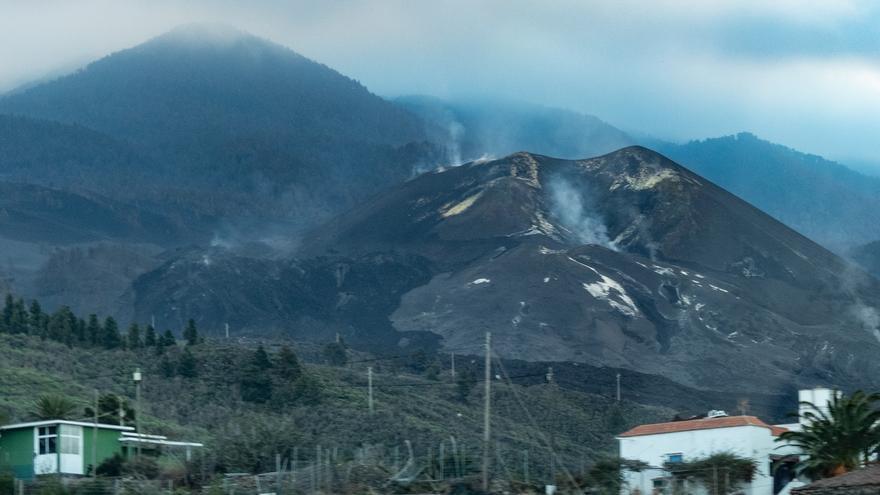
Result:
72,447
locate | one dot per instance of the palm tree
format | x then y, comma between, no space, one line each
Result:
840,439
53,407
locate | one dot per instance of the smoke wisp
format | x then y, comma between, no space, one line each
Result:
571,206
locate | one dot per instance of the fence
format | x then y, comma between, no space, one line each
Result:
332,470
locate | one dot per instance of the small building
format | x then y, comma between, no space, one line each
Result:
660,444
72,447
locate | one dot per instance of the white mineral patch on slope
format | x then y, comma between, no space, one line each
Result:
546,250
545,226
659,270
606,288
719,289
480,281
459,208
646,179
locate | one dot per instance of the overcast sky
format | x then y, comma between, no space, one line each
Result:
803,73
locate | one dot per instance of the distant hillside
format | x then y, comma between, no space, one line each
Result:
823,200
471,129
226,122
54,154
31,213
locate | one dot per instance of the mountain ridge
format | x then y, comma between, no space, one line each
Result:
655,287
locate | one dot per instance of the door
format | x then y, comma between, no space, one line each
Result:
71,449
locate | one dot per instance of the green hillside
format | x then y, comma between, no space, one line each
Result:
223,404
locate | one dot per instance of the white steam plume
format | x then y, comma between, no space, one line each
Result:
570,206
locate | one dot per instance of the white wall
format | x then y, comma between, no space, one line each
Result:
819,397
754,442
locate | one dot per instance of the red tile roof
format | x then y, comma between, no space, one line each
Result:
700,424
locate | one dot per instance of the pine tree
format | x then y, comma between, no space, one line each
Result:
261,359
190,333
256,384
110,337
289,367
335,354
6,320
93,330
150,336
36,319
134,336
166,369
62,325
19,320
80,331
188,366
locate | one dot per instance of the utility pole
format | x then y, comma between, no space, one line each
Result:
137,414
95,438
453,366
487,406
618,387
370,387
549,375
227,331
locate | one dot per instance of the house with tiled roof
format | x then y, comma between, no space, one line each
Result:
660,444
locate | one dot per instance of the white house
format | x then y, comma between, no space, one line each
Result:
747,436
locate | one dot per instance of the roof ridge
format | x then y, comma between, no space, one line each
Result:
696,424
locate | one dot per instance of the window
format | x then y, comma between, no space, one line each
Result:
46,439
676,457
70,439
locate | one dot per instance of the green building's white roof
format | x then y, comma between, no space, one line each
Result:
50,422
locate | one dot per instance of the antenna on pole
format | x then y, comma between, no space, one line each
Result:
227,330
153,321
618,387
549,375
136,376
487,406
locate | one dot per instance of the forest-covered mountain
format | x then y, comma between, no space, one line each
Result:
220,121
826,201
